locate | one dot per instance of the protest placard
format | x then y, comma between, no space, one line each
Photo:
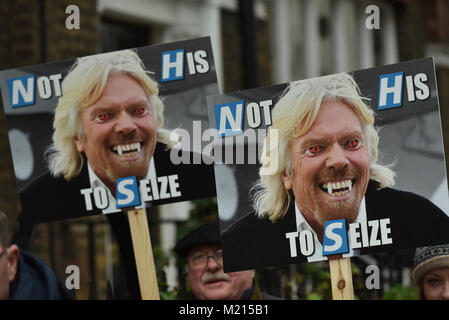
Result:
342,165
94,136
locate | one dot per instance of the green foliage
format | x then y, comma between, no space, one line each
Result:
203,210
314,296
161,260
168,295
358,283
314,283
399,292
317,276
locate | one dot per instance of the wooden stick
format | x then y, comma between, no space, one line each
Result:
143,253
341,279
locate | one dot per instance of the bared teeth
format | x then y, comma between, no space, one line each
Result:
129,148
332,187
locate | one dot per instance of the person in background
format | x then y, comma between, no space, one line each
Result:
23,276
431,272
208,281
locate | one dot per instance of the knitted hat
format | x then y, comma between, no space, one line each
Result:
428,259
205,234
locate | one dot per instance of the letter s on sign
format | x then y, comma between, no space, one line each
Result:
333,236
121,186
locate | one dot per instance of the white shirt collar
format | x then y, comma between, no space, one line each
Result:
95,181
317,255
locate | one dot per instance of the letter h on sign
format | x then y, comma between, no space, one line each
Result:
127,192
390,90
172,65
335,240
229,118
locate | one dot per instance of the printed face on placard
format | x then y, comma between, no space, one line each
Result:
119,130
330,165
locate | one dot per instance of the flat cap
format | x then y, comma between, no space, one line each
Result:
204,234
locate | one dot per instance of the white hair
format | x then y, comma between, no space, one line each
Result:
81,88
293,116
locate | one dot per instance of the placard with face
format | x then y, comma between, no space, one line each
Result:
340,165
95,135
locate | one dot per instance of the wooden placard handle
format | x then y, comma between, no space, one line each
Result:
143,253
341,279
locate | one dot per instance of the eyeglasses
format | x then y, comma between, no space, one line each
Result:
200,261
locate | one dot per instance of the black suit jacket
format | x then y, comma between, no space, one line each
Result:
49,198
251,242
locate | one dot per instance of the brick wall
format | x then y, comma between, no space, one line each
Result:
63,43
27,37
19,35
19,46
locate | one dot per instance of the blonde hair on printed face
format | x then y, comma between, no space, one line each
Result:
81,88
293,116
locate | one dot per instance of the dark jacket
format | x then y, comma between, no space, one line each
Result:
258,295
35,280
251,243
49,198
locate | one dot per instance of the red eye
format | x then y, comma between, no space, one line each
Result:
313,150
140,111
353,144
103,117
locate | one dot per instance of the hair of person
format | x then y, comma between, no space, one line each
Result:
4,230
293,116
82,87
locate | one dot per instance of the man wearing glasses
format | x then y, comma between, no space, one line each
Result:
202,250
